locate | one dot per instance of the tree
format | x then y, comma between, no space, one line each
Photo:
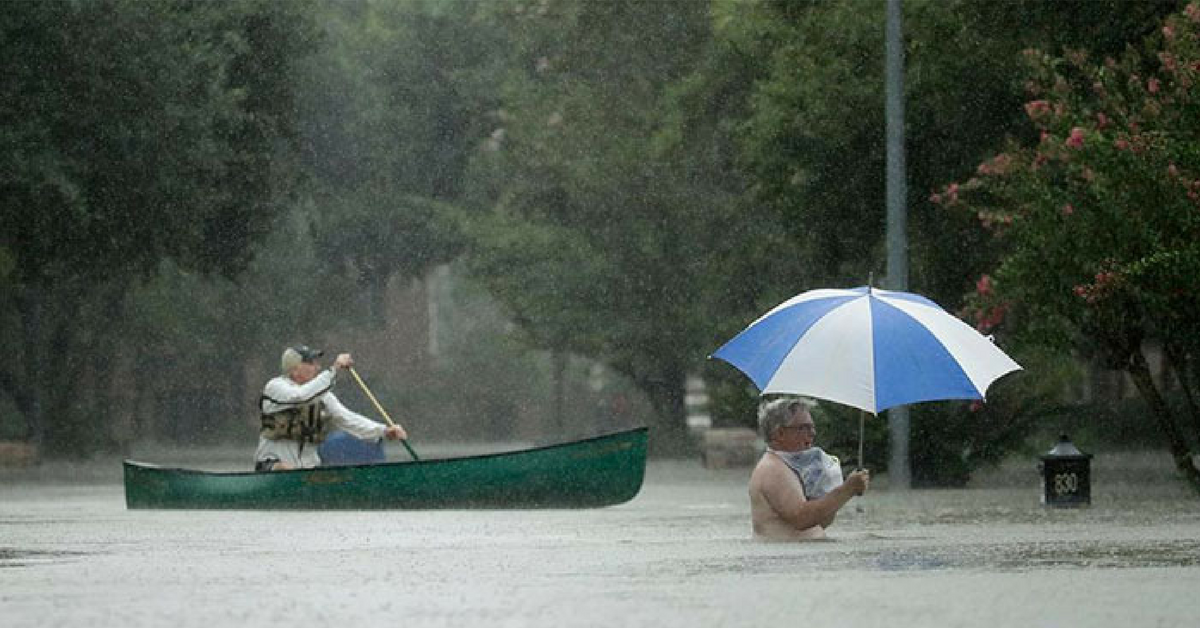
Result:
140,132
391,117
1096,224
809,153
585,231
811,144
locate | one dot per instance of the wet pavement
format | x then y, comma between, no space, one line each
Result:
680,554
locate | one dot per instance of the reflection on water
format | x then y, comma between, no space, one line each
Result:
881,554
16,557
680,554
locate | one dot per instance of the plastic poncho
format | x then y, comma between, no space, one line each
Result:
818,471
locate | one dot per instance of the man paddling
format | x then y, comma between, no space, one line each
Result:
299,409
791,495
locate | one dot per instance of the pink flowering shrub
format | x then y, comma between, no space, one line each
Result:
1096,223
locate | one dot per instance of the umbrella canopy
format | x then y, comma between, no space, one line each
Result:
867,348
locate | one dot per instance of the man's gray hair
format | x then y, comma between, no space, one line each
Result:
775,413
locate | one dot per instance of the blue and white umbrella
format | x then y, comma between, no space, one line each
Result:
867,348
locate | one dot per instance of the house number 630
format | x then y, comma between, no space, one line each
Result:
1065,483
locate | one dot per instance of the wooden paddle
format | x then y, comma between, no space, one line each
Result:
378,407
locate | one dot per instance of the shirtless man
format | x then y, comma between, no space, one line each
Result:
778,506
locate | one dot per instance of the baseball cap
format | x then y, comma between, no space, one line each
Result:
294,355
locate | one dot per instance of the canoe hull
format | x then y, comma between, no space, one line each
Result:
590,473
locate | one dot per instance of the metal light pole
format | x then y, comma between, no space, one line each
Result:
899,475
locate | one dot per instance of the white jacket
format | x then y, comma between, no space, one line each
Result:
282,393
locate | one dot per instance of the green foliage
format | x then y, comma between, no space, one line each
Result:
389,126
810,149
196,337
1097,224
810,143
584,233
370,236
487,385
1124,424
633,182
139,132
128,149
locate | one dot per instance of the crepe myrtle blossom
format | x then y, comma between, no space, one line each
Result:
987,319
951,194
1123,149
1192,186
1105,282
984,286
1075,140
992,220
998,165
1168,61
1038,110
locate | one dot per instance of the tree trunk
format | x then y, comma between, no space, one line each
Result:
668,433
27,393
558,361
1140,373
1181,366
60,387
102,364
377,300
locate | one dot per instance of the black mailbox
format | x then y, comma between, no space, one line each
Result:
1067,474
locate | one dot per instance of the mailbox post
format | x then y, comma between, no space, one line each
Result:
1066,473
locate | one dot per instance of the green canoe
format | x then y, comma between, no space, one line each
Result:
599,471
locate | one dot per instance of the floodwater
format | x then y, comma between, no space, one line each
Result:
677,555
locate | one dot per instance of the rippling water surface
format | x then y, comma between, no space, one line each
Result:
677,555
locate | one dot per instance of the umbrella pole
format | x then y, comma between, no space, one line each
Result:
862,420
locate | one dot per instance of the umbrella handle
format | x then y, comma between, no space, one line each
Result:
862,420
379,407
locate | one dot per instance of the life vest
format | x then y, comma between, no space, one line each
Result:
307,424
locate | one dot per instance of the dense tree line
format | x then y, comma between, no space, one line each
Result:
632,182
133,133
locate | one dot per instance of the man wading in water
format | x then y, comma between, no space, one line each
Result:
795,491
298,411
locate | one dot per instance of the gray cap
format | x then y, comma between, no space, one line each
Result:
294,355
